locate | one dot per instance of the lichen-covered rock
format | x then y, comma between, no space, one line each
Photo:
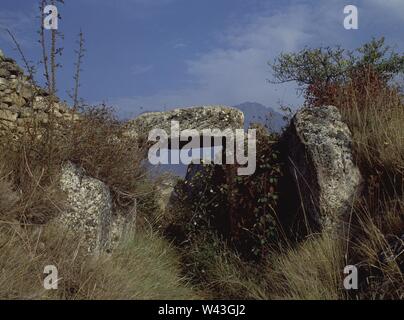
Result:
320,160
89,207
199,118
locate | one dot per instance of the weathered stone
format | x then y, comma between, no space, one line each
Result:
319,147
26,113
25,91
199,118
14,109
71,116
57,113
12,84
4,73
8,115
13,99
21,122
42,117
11,67
40,103
89,208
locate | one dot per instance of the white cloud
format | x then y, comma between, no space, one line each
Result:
237,71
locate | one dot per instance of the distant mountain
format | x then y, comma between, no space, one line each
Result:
257,113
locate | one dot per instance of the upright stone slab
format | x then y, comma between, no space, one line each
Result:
319,158
89,208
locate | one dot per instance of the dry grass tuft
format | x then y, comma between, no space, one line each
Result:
311,271
374,111
144,267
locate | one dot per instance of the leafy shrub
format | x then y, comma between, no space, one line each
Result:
332,65
240,209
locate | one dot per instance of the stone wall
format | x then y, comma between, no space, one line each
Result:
21,102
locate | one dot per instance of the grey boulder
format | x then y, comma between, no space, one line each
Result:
320,160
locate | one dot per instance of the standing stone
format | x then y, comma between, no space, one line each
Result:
320,160
89,207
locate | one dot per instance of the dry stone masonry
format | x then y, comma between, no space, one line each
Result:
21,102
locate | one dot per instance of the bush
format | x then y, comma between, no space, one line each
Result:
241,210
333,65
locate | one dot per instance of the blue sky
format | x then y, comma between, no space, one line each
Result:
158,54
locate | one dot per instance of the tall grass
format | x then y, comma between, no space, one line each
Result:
143,267
374,111
220,272
310,271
